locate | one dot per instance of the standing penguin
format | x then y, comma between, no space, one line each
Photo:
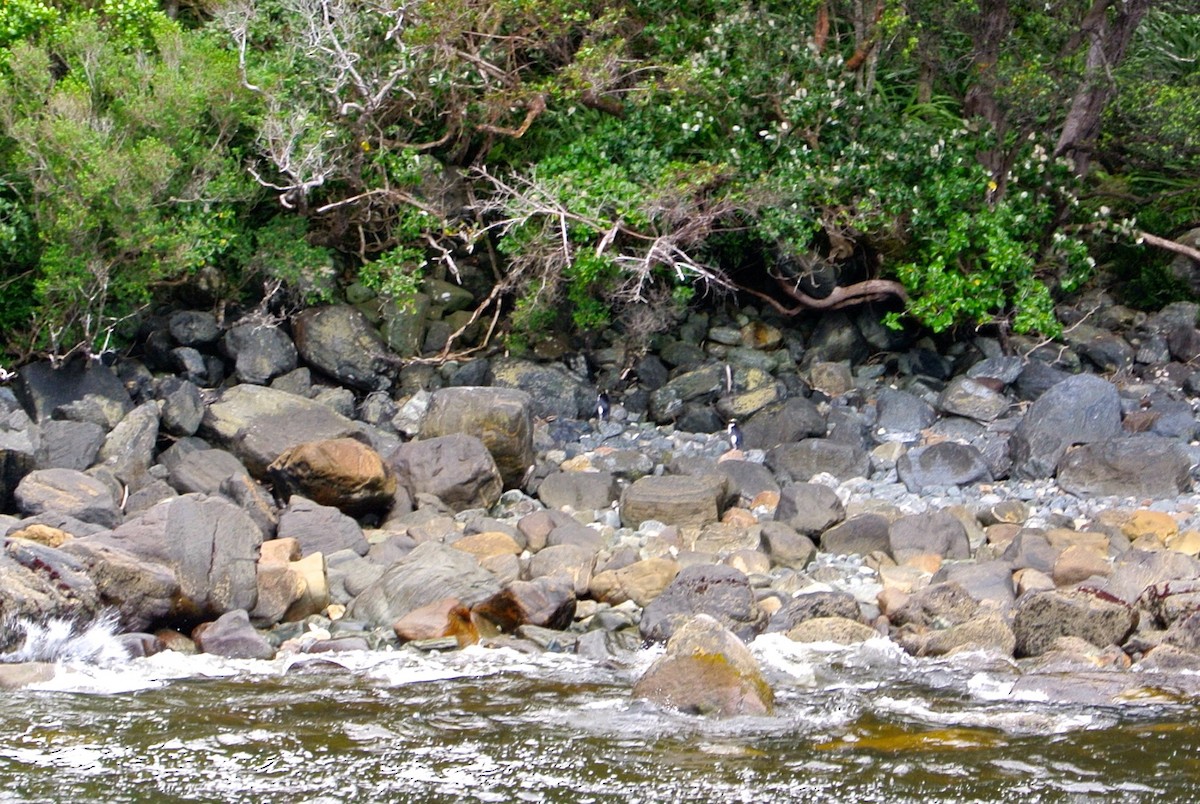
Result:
735,435
603,407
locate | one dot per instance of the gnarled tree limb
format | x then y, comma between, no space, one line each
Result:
842,296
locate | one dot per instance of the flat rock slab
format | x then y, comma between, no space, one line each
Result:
673,499
1137,466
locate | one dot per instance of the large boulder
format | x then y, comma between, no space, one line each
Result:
809,508
947,463
210,544
339,341
686,501
802,460
231,635
340,472
939,533
794,419
260,352
129,449
555,391
903,412
64,444
1082,409
717,590
701,384
39,583
42,388
813,606
197,470
457,469
706,670
641,581
969,397
862,535
502,418
580,491
1043,617
320,528
431,572
544,602
69,492
1138,466
143,593
258,424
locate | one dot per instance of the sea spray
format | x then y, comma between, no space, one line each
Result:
58,640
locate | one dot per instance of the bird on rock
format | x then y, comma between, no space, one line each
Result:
603,406
736,439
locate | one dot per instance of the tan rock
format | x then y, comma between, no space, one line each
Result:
721,539
1001,534
839,630
1065,538
1158,524
42,534
904,579
1028,579
279,551
311,568
765,499
750,562
22,674
1078,563
739,518
487,544
278,588
1187,542
442,618
925,562
641,581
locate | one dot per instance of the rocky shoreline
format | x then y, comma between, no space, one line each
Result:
263,487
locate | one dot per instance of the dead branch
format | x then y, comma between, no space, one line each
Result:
1169,245
842,296
536,106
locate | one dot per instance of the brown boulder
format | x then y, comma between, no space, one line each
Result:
340,472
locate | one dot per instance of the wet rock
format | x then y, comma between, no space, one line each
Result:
811,606
1042,617
231,635
502,418
343,473
545,602
988,632
39,583
809,508
944,464
23,674
447,617
554,391
936,607
320,528
457,469
838,630
690,502
721,592
706,670
1082,409
801,461
209,544
939,533
260,352
339,341
257,424
67,492
1140,465
431,572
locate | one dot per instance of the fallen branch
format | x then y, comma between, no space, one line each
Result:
842,296
1169,245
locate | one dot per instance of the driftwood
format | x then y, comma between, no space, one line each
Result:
842,296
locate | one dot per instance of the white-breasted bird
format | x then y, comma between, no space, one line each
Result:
603,407
735,434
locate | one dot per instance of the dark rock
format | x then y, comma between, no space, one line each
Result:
1037,378
943,464
700,385
193,327
836,339
39,583
938,533
202,471
784,422
801,461
902,412
721,592
1030,549
500,417
652,374
1134,571
746,481
1141,465
254,500
19,448
1082,409
182,406
708,671
129,449
973,399
1005,369
1043,617
232,636
809,508
339,341
68,445
814,605
260,352
457,469
548,602
554,391
42,388
937,606
862,535
320,528
786,547
986,582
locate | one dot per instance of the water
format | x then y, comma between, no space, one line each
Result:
864,724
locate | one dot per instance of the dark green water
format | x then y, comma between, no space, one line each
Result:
499,726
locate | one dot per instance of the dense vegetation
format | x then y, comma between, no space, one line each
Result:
964,161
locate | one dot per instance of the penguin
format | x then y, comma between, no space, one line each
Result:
602,406
735,435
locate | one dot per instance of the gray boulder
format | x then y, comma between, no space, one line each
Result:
193,327
257,424
702,384
202,471
67,492
320,528
431,572
674,499
973,399
208,543
231,635
902,412
1082,409
502,418
547,602
129,448
67,444
457,469
860,535
719,591
801,461
811,606
784,422
19,450
947,463
1137,466
580,491
182,406
43,388
39,583
938,533
555,391
340,342
260,352
809,508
